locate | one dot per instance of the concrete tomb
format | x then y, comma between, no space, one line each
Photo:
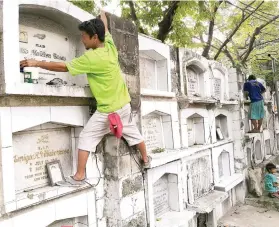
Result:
165,194
221,124
154,59
220,86
153,71
195,129
33,149
157,130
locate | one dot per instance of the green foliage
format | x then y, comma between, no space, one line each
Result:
86,5
158,150
190,28
90,5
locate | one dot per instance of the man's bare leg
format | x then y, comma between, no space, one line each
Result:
82,160
255,125
260,122
142,148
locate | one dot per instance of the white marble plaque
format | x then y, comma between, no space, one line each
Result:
200,172
217,87
32,150
44,46
152,132
161,196
193,82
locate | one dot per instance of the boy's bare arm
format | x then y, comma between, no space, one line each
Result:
105,20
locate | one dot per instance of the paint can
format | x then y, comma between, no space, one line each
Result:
31,75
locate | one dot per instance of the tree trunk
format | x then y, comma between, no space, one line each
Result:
165,25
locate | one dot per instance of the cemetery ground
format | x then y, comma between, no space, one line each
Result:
250,216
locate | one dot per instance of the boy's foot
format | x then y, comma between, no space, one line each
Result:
147,164
71,182
274,195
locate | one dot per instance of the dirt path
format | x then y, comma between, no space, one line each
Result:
248,216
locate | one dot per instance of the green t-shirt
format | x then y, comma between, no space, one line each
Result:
104,76
269,179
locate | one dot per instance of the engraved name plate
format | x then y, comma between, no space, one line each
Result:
33,149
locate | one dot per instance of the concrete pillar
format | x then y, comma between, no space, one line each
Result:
236,84
124,190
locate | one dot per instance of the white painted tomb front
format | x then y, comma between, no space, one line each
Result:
225,177
165,189
154,67
30,28
220,84
195,128
33,149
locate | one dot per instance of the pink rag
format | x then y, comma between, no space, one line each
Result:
115,124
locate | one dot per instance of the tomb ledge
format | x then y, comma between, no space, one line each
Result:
32,100
208,202
47,90
229,102
175,219
229,183
206,101
251,135
152,93
200,100
175,154
44,194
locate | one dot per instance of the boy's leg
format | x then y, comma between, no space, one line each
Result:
92,134
82,160
142,148
254,124
260,122
261,114
131,133
253,115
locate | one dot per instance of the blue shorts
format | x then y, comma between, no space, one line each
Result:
256,110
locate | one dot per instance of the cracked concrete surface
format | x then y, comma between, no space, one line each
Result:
249,216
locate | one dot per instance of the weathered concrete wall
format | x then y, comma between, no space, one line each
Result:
175,74
125,36
124,191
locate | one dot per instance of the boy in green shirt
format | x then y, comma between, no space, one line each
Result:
270,181
100,63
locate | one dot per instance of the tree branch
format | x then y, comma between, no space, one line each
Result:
244,18
253,38
256,45
165,25
269,41
228,54
260,16
134,16
207,47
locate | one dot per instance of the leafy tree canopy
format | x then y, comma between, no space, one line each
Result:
237,33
